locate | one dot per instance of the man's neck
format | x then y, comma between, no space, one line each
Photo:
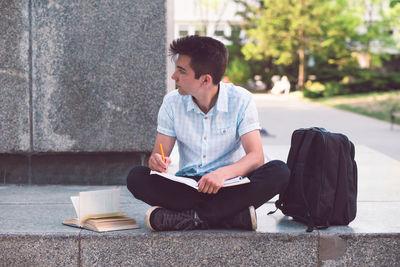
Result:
207,100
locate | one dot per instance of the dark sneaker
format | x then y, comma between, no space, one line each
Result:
161,219
244,220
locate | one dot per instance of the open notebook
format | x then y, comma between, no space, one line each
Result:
193,183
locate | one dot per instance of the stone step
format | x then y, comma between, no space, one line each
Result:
31,234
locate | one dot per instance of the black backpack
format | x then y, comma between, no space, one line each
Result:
323,183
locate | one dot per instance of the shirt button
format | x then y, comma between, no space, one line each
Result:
205,137
205,117
204,156
224,131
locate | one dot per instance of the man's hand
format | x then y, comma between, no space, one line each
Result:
157,164
155,161
212,182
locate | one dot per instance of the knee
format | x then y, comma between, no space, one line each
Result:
281,172
135,176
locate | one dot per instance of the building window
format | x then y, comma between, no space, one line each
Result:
220,30
200,32
183,33
219,33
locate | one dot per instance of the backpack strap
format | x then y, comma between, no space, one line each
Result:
298,176
302,147
299,173
292,157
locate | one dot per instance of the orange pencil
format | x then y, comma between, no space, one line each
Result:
162,152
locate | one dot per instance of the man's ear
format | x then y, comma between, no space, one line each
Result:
206,79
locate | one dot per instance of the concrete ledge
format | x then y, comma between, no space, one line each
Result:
32,234
39,250
360,249
206,248
107,168
218,248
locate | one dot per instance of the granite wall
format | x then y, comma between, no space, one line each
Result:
81,82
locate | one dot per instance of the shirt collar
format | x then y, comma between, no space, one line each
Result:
191,105
222,100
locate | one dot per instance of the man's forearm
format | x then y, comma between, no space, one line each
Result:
244,166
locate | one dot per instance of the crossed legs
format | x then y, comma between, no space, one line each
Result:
266,182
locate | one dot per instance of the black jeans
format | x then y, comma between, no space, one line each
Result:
266,182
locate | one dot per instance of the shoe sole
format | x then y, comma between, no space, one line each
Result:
253,217
147,217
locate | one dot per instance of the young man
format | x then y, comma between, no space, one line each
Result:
217,130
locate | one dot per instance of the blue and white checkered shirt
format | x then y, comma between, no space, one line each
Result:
209,141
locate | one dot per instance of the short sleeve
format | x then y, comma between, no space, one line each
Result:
165,120
248,120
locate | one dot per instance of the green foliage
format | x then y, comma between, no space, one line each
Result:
334,88
284,30
317,89
371,81
376,35
255,67
332,33
393,17
238,71
376,104
363,81
393,3
313,90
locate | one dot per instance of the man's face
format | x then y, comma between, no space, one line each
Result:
184,77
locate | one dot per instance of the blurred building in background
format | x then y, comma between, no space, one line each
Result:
213,18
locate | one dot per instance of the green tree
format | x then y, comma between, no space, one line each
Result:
289,30
393,15
239,70
393,3
379,19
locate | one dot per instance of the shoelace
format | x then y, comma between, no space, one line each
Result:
179,221
186,224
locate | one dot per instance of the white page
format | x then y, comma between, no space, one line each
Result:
193,183
237,180
75,202
98,202
184,180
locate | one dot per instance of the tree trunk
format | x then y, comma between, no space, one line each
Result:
302,69
302,64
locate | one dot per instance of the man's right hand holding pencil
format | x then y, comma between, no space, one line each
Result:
158,161
157,164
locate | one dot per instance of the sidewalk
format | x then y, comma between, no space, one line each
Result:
31,232
281,115
377,147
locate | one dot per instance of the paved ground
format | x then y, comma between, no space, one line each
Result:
281,115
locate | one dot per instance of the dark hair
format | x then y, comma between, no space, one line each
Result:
207,55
